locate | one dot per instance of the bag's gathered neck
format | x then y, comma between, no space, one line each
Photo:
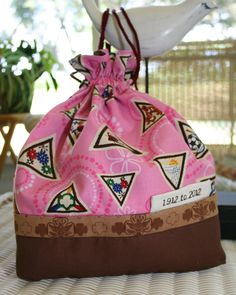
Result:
135,47
118,67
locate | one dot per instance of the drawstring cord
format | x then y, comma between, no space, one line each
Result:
105,17
136,50
136,40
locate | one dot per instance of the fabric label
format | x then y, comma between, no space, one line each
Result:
185,195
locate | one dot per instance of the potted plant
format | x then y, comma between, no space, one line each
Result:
20,67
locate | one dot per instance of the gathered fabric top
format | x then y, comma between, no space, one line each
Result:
106,67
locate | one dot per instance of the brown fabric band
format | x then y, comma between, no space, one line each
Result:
188,248
115,226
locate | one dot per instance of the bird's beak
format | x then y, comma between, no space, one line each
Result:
208,4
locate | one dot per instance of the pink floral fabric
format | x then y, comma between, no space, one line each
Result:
107,149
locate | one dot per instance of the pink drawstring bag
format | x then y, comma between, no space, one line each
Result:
113,181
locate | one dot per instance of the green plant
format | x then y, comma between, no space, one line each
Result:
20,67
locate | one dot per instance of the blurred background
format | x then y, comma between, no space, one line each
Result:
37,38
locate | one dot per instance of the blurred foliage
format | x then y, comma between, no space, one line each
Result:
225,14
27,11
20,67
70,16
69,12
36,16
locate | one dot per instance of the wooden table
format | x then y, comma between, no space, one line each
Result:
10,120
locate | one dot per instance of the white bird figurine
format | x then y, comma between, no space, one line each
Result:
159,28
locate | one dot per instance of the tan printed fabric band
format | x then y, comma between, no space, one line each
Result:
115,226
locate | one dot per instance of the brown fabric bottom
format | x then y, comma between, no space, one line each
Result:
188,248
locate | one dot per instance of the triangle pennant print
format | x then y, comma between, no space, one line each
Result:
77,64
66,201
150,114
95,91
39,157
128,72
172,166
71,112
104,64
107,139
77,127
192,140
124,59
119,186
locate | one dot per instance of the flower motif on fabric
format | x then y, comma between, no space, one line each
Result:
110,182
119,185
138,224
199,211
117,188
46,169
76,129
30,161
39,157
42,157
32,154
66,201
108,93
123,161
60,227
124,183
